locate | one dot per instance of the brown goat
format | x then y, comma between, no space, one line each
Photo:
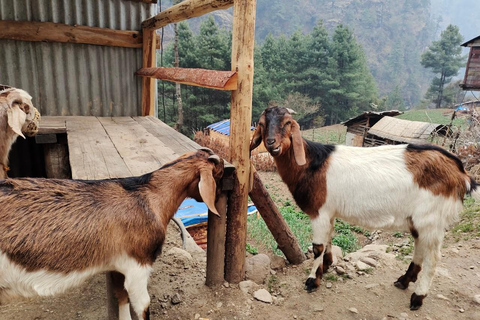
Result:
416,188
56,233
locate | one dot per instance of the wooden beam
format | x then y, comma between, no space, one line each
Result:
275,222
243,41
59,32
221,80
146,1
216,243
185,10
149,61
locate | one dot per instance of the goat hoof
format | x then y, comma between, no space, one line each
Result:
310,285
400,283
416,301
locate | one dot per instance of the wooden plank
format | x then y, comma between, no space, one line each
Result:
59,32
140,150
92,154
243,41
50,125
149,84
179,143
185,10
221,80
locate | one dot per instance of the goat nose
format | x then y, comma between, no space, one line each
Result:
270,141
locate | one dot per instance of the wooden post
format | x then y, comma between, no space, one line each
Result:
286,240
216,243
112,302
243,41
149,61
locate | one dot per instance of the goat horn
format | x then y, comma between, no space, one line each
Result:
291,111
207,150
214,158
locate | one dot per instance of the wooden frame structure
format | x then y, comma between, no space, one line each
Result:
226,253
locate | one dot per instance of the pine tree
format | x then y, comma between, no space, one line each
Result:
445,59
357,88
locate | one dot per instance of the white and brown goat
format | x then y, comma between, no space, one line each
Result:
54,233
18,116
416,188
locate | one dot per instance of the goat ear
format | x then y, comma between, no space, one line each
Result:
16,119
257,135
207,188
297,142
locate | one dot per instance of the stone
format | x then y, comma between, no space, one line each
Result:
257,268
329,285
371,285
404,315
318,309
176,299
442,297
180,256
263,296
337,252
277,263
353,310
371,262
476,299
340,271
247,286
361,266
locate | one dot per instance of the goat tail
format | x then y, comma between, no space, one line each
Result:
473,188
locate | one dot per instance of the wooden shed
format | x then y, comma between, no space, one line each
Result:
471,81
389,130
91,67
357,127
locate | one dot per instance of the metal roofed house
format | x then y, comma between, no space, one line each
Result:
471,80
389,130
357,127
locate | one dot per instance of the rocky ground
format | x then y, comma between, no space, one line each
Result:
359,286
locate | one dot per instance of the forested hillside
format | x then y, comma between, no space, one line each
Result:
391,34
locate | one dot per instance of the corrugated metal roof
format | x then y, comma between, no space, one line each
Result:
223,127
391,113
76,79
404,130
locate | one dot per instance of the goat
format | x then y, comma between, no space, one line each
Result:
56,233
18,116
416,188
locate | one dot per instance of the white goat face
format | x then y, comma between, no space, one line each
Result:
23,117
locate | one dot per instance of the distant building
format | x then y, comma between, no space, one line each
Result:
357,127
390,130
379,128
471,81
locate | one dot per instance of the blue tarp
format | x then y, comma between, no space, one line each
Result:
192,212
222,127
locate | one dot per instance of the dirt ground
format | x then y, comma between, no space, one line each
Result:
372,294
